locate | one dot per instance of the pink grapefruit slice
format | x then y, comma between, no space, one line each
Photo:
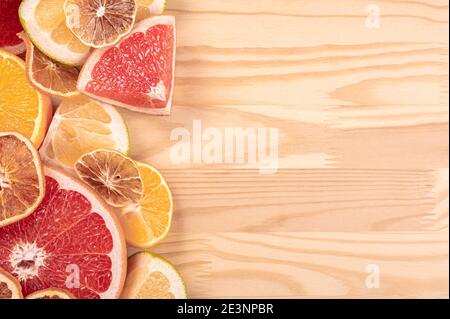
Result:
138,72
10,26
72,241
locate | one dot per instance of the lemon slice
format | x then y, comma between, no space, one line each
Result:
150,276
148,221
45,23
81,126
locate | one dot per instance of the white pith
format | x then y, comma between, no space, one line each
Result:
43,40
142,26
27,252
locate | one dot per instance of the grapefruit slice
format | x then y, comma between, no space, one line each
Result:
47,75
152,277
10,26
22,108
138,72
51,293
99,23
45,23
21,178
79,126
72,241
9,286
113,175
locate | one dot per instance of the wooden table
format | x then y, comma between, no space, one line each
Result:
359,204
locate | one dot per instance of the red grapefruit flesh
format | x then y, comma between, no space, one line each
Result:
10,26
72,241
138,72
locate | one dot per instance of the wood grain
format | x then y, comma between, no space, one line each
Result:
362,116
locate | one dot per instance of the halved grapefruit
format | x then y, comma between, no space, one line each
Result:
72,241
138,72
10,26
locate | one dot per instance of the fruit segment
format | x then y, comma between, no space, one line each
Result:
138,72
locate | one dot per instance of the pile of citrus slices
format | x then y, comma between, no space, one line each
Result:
72,200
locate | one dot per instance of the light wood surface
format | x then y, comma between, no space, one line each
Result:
362,115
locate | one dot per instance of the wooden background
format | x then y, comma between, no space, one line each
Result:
363,127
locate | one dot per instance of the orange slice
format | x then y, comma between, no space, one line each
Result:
80,126
113,175
21,178
45,23
22,108
47,75
9,286
51,293
150,276
99,23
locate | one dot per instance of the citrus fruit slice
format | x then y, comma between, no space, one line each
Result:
21,178
45,23
9,286
148,221
47,75
10,26
152,277
138,72
80,126
113,175
99,23
72,241
22,108
51,293
148,8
